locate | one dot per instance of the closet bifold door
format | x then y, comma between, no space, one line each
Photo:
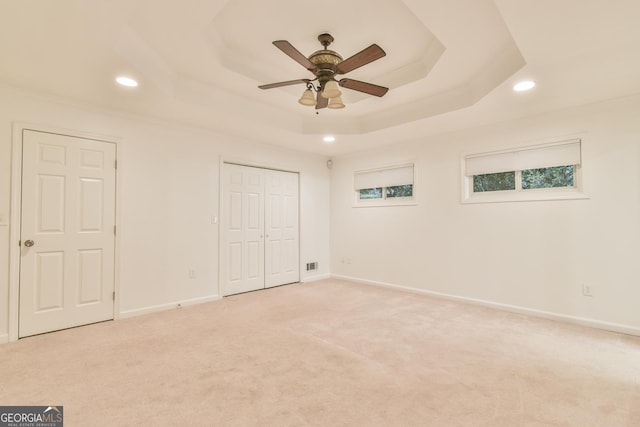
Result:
242,233
281,229
259,229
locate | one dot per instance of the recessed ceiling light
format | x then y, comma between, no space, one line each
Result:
329,139
524,85
126,81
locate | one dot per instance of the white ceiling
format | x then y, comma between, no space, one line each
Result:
450,64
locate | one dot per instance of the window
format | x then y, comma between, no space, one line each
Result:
498,181
371,193
553,177
387,186
405,190
550,171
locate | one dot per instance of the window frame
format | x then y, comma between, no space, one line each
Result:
577,192
384,200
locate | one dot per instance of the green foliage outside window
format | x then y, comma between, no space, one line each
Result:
389,192
551,177
558,176
400,191
371,193
494,182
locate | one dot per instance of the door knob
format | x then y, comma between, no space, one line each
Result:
29,243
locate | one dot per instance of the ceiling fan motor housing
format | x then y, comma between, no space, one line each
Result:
326,62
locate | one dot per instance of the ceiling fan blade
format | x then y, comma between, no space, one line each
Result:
287,83
361,58
321,101
294,54
365,87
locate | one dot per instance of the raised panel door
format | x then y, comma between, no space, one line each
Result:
67,232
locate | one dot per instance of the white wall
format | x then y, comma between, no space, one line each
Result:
531,256
168,189
525,256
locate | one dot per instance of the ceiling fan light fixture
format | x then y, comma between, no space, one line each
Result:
331,90
307,98
325,65
336,103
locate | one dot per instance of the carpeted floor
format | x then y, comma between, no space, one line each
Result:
329,353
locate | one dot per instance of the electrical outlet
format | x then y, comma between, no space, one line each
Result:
192,273
587,290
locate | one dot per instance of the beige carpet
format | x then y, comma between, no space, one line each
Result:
329,353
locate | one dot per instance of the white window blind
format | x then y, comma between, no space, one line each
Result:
388,177
560,154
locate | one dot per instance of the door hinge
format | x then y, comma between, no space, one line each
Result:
115,164
114,295
114,230
19,242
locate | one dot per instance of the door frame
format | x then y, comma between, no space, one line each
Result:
15,215
239,162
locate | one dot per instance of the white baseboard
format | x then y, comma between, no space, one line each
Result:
310,279
4,338
593,323
155,308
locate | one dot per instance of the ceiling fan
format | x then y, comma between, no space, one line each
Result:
325,64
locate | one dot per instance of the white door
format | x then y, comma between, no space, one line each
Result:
67,232
243,229
248,221
281,228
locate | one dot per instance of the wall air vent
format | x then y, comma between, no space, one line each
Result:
311,266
